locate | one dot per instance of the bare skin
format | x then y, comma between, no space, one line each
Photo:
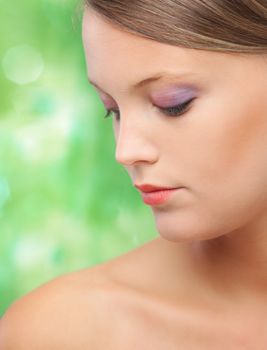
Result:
132,302
203,283
168,314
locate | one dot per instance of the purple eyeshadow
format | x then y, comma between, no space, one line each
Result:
173,96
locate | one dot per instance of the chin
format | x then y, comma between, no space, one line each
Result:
178,236
187,229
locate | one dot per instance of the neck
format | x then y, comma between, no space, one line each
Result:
237,260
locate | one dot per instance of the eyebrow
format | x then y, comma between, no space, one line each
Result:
148,80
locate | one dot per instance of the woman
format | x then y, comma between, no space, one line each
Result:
186,85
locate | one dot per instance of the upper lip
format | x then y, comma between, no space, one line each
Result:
152,188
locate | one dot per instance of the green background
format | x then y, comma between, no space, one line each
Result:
65,204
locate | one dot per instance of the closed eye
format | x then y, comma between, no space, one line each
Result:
176,111
173,111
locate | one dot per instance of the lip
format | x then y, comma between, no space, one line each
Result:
158,197
152,188
155,195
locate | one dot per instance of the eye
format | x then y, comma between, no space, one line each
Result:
113,111
175,111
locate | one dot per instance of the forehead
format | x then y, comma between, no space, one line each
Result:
105,40
113,53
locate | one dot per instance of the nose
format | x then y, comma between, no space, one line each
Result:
134,145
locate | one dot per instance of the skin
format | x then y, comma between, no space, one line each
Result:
202,283
216,151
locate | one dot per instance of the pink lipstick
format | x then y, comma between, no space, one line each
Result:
155,195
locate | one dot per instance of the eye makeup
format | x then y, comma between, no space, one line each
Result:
171,101
173,96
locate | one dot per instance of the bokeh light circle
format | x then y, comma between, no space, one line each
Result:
22,64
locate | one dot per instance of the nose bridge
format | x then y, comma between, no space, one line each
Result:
133,143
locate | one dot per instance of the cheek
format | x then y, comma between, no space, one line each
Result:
232,168
230,144
220,146
225,169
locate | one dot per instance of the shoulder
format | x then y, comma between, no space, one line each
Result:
75,311
66,313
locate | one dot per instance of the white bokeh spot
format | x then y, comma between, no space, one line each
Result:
22,64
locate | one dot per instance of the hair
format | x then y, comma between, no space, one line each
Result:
214,25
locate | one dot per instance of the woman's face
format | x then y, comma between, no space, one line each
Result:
216,148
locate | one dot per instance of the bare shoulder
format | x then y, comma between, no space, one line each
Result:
66,313
96,308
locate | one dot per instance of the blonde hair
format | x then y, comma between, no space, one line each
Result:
214,25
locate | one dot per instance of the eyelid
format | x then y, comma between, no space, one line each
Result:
173,95
183,107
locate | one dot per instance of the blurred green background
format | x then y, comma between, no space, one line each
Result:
65,204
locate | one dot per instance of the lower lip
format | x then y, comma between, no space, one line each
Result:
158,197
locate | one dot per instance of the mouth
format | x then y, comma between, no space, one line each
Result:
155,195
148,188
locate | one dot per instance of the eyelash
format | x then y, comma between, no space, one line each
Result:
174,111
